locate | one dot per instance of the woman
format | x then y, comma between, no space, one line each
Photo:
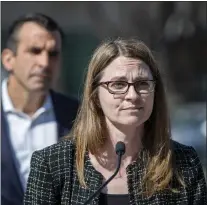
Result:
123,100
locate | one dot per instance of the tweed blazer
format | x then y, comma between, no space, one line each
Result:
53,179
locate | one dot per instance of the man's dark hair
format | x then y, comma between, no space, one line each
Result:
44,21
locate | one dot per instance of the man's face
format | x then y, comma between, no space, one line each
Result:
37,58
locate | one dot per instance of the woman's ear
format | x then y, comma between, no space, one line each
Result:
7,58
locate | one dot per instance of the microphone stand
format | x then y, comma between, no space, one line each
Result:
120,154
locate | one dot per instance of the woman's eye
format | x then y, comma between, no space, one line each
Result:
119,85
144,84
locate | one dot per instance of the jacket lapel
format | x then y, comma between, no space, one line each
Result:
10,182
60,115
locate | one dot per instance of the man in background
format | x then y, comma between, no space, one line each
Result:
33,116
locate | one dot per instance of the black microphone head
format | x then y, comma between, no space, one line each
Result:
120,148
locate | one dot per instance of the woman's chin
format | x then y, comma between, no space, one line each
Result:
132,121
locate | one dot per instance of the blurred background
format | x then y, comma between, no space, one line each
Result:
175,31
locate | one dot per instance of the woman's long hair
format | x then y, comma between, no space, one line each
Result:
89,130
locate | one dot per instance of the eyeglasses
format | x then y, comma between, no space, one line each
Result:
122,87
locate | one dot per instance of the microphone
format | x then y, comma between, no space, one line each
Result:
120,151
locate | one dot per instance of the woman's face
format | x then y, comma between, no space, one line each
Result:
131,108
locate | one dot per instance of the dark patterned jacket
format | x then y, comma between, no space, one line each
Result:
53,179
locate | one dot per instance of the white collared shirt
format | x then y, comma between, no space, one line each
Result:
28,134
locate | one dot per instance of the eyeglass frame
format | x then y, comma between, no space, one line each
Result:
128,86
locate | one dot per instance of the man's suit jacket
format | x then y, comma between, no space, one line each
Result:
65,110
